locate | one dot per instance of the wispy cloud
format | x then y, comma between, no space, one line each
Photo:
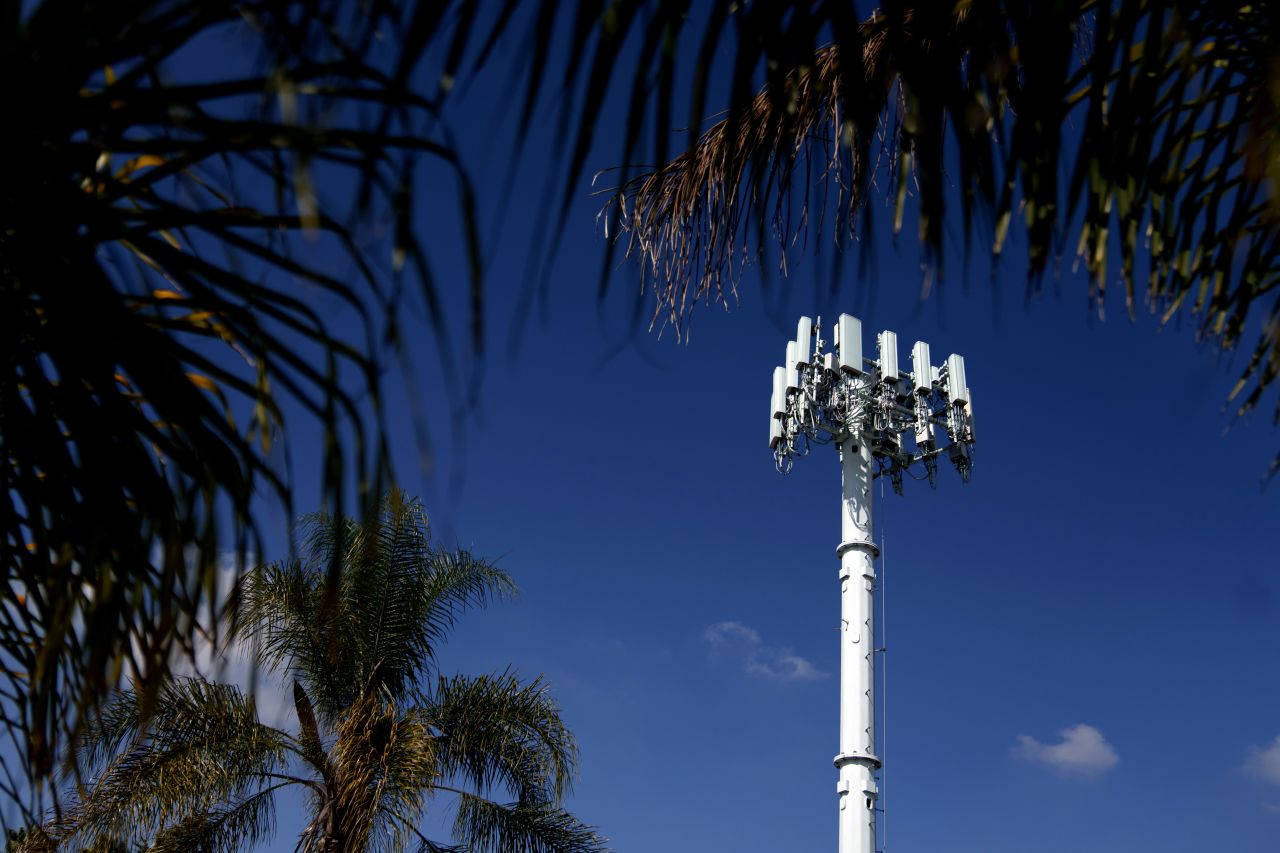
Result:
1264,762
1083,751
234,663
742,643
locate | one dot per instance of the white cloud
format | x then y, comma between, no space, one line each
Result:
234,663
1083,751
1264,761
742,643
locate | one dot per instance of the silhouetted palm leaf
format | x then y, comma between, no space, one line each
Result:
1159,114
158,321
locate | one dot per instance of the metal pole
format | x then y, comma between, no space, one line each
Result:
873,411
857,761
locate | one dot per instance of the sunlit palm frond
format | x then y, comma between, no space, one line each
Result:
496,731
373,625
690,221
522,827
384,767
225,829
30,840
199,748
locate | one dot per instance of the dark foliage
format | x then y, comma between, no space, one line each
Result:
1137,136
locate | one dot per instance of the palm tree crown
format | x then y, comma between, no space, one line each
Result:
355,623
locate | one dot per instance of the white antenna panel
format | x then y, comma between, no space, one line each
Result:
793,374
957,387
921,371
775,432
804,340
779,391
849,343
888,356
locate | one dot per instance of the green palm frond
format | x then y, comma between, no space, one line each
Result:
277,618
496,731
225,829
522,827
199,747
372,626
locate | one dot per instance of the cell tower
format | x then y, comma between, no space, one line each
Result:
885,422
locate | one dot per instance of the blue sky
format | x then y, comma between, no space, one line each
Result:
1082,641
1107,567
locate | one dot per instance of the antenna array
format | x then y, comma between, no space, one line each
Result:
908,419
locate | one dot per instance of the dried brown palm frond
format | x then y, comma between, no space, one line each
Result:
1137,135
689,221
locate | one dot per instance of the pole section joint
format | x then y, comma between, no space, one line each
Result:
866,547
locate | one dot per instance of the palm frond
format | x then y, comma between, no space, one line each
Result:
426,845
964,112
192,768
363,613
495,731
201,746
690,221
30,840
226,829
277,615
384,765
309,739
523,827
168,279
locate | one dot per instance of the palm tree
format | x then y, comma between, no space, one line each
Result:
381,732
